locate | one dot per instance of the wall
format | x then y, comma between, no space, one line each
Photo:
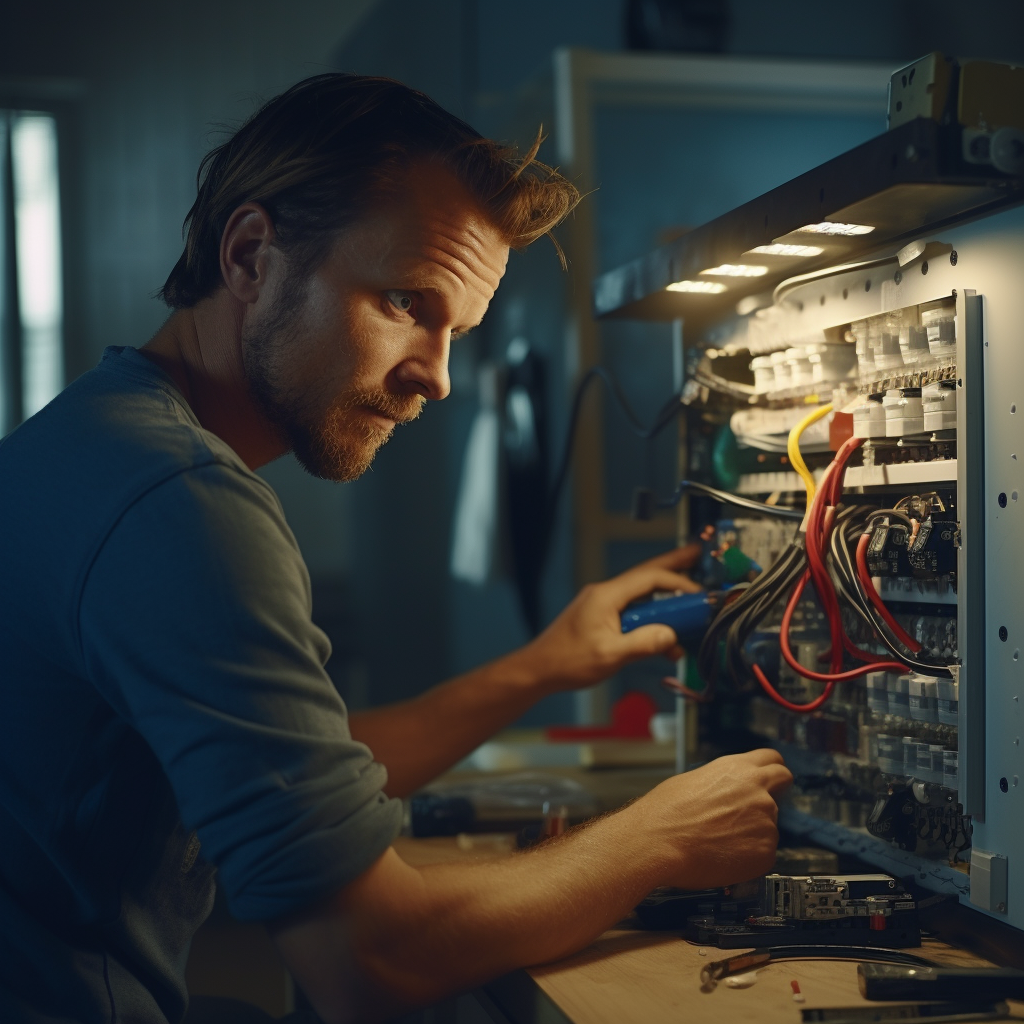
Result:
489,62
143,86
143,91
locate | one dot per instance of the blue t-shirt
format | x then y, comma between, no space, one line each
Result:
166,712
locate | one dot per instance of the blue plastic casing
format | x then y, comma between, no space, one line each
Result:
687,614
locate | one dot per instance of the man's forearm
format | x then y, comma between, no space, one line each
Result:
457,925
397,936
418,739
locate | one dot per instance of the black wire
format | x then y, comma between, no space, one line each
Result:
739,618
727,498
665,415
845,563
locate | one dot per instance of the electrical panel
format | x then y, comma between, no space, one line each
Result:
915,766
854,350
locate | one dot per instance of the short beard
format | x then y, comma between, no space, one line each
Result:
341,444
331,435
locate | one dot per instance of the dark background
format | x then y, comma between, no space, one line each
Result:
141,90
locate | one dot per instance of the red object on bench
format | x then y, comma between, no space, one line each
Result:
631,720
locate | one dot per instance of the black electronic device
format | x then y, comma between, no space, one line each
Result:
894,981
933,1013
789,910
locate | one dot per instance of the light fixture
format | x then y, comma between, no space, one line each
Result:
737,270
781,249
708,287
831,227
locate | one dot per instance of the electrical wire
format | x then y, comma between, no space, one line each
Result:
821,521
744,392
822,555
843,563
869,588
793,448
714,971
728,498
665,415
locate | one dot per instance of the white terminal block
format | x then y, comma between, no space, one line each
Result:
940,325
831,364
904,413
888,355
947,693
923,698
899,696
764,375
799,363
877,684
869,420
780,370
938,403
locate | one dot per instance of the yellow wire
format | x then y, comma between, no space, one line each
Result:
793,447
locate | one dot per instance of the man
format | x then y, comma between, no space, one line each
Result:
168,713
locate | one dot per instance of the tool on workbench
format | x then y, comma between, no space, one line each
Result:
835,910
716,970
506,804
933,1013
893,981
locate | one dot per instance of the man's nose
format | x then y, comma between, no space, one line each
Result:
425,371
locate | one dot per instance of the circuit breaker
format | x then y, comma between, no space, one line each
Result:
854,348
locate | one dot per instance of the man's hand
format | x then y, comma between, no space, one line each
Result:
398,936
716,825
585,644
418,739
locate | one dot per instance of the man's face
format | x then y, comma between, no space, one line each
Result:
335,361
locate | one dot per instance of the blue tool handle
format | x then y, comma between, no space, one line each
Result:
687,614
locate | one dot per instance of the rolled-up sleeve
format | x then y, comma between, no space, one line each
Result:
195,625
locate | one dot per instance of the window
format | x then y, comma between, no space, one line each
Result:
31,286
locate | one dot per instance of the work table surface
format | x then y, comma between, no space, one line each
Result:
631,974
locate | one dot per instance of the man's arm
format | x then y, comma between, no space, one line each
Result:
399,936
418,739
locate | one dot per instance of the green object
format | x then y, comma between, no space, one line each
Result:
693,678
737,565
725,458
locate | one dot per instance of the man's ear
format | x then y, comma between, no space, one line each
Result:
245,251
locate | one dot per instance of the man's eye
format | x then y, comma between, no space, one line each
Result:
402,301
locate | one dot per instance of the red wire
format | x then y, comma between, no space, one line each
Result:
819,530
865,578
830,679
820,523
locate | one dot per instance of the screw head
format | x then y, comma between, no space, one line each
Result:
1003,784
898,276
1003,634
924,267
1001,907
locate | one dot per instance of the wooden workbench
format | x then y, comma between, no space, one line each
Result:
630,974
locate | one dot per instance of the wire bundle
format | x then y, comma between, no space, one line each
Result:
827,557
